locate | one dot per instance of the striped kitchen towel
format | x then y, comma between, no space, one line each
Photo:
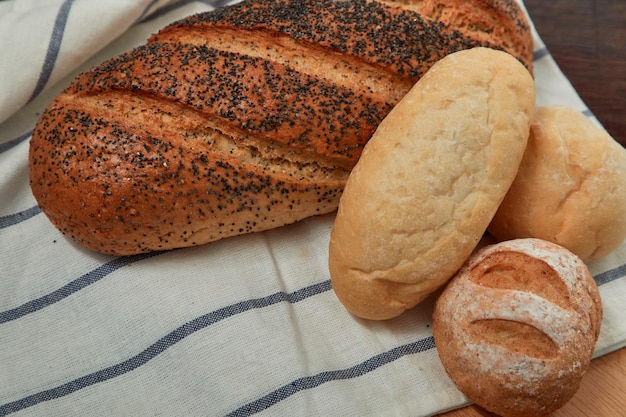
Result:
246,325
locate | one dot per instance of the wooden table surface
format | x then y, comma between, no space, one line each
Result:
587,38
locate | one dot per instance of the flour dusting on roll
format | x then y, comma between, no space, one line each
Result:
517,326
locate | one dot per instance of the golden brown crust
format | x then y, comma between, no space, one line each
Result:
143,183
501,23
517,326
413,34
570,188
233,121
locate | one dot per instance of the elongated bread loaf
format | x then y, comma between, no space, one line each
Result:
429,182
242,119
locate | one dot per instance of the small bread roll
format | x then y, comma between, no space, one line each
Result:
429,182
516,327
570,189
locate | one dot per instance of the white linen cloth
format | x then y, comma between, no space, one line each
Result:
246,325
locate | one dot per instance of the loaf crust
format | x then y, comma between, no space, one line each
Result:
238,120
429,182
517,326
570,188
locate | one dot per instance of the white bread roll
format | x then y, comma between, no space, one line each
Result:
429,182
570,188
517,326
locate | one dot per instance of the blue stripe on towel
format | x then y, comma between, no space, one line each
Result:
540,53
72,287
146,10
15,218
314,381
610,275
174,6
14,142
588,113
162,344
53,48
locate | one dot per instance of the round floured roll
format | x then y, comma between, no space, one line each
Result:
570,188
517,326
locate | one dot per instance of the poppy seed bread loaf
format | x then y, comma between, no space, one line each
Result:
241,119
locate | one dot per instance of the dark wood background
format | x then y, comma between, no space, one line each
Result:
587,38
